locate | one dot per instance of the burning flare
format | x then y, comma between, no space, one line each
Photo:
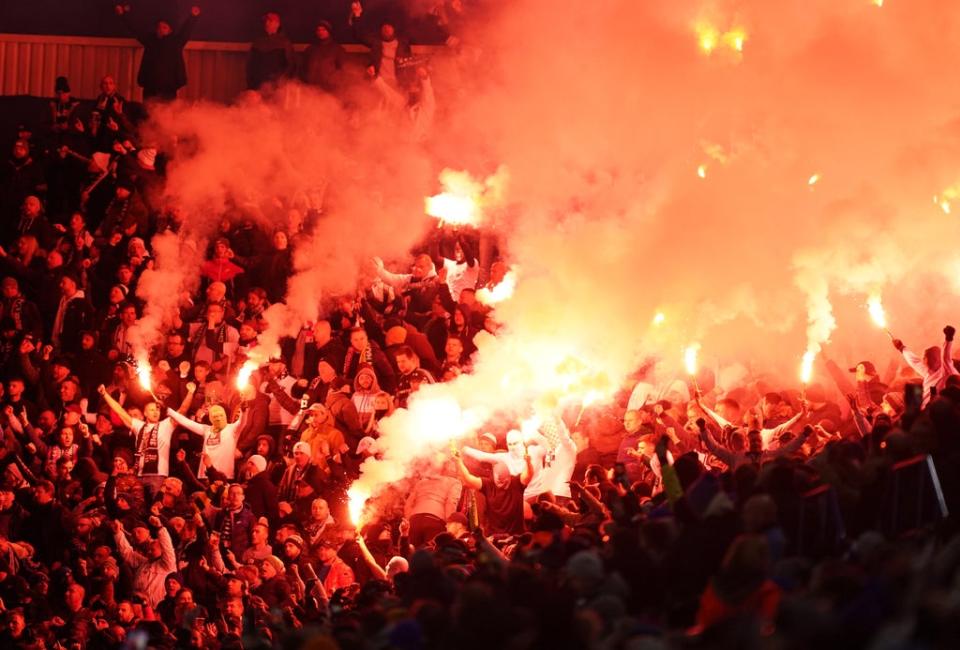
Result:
463,199
875,307
243,377
502,291
690,359
356,500
659,318
143,374
806,367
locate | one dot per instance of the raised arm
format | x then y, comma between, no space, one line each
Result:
774,433
115,406
375,568
713,415
187,399
187,423
947,361
794,444
483,456
725,455
468,479
396,280
914,361
527,472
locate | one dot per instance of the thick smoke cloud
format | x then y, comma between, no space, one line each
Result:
604,113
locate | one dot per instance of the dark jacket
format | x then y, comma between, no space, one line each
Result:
261,496
323,64
77,317
239,529
162,68
254,422
271,58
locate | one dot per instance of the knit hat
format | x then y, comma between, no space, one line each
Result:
296,540
259,462
303,447
125,454
276,562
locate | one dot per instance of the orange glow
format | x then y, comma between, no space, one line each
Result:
735,38
243,377
877,314
702,171
813,180
143,374
356,501
501,292
708,37
690,358
452,209
806,367
659,318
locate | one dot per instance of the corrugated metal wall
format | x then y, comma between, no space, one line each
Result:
29,65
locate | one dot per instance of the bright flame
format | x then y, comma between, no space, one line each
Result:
877,3
735,39
702,171
464,198
143,373
356,500
875,307
945,199
690,358
659,318
708,37
243,377
813,180
806,366
500,292
452,209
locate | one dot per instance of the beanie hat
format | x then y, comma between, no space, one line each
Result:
296,540
259,462
396,335
303,447
276,562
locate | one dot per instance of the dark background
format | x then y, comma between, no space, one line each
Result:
221,20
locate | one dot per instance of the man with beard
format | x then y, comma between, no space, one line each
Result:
503,494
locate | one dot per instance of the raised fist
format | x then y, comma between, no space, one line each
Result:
119,10
948,332
101,389
897,343
194,10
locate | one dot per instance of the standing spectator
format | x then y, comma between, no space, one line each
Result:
151,570
162,70
388,57
271,55
323,60
20,177
74,315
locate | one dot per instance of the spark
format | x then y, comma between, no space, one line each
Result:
659,318
702,171
690,358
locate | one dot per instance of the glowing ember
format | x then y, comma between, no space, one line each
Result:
659,318
813,180
806,366
877,3
690,358
356,500
500,292
875,307
243,377
702,171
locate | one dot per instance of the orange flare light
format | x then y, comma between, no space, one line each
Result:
877,314
501,292
143,374
243,377
806,366
690,358
356,500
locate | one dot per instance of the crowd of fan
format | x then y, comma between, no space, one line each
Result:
197,513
